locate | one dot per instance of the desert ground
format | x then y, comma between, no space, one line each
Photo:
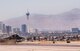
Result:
37,48
58,46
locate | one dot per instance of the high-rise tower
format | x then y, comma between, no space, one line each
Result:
28,21
23,28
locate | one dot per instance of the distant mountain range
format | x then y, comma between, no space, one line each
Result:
63,21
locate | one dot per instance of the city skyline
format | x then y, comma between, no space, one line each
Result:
23,28
8,29
11,9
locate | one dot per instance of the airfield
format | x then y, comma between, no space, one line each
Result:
36,46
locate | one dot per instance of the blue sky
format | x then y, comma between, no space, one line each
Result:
15,8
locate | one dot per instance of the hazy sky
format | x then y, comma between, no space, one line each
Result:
16,8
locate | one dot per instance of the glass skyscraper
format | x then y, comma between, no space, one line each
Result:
23,28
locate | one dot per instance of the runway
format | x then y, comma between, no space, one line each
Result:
61,45
73,46
39,48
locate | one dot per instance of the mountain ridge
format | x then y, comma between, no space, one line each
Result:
61,21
